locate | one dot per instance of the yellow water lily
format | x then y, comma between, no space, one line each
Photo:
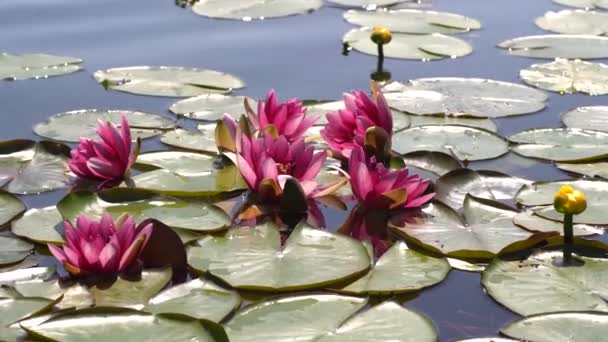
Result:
569,201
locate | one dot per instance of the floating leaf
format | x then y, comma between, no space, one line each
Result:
26,66
120,324
434,46
168,81
180,163
42,225
197,298
542,193
198,140
10,207
426,120
586,4
597,169
13,250
592,117
368,3
434,162
211,106
247,10
327,317
558,46
536,223
400,269
28,273
574,22
29,167
252,258
560,326
486,230
466,266
452,187
71,126
568,76
413,21
561,144
487,339
466,143
16,309
72,296
176,213
463,97
132,294
537,285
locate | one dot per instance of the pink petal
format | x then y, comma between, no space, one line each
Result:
139,243
58,253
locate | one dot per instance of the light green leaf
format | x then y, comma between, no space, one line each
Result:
16,309
586,4
535,223
574,22
561,326
10,207
27,66
44,225
591,117
198,140
247,10
558,46
132,294
368,3
561,144
178,162
211,106
13,250
568,76
72,296
597,169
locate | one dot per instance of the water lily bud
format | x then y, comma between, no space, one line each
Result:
381,35
569,201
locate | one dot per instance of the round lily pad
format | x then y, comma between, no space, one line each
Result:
561,144
247,10
413,21
10,207
537,285
17,309
178,162
367,3
211,106
71,126
176,213
455,96
535,223
44,225
400,269
586,4
27,167
434,46
574,22
120,324
465,143
452,187
252,258
72,296
558,46
426,120
168,81
560,326
541,194
434,162
327,317
197,298
596,169
486,230
132,294
36,65
24,272
13,250
197,140
568,76
592,117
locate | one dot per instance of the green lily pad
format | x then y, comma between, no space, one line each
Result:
455,96
120,324
178,162
17,309
132,294
535,223
591,117
426,120
437,163
413,21
574,22
560,326
42,225
73,296
367,3
597,169
400,269
586,4
176,213
28,273
465,143
466,266
326,317
536,285
71,126
541,194
434,46
252,258
27,167
561,144
568,76
247,10
13,250
197,298
10,207
486,230
27,66
558,46
211,106
452,187
199,141
487,339
168,81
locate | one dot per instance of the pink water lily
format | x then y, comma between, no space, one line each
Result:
266,163
104,246
346,128
377,187
108,159
288,118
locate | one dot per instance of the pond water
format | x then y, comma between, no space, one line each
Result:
300,56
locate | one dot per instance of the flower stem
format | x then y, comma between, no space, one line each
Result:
568,239
380,55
